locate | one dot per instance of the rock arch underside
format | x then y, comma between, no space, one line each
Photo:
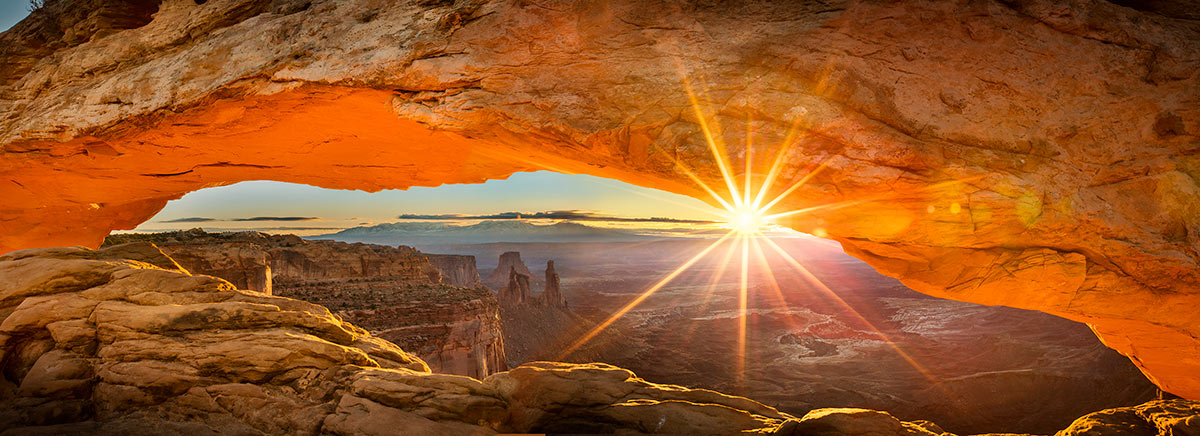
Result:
1034,154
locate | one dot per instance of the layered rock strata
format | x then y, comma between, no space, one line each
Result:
516,292
96,344
552,296
454,330
509,261
289,258
1035,154
396,293
457,270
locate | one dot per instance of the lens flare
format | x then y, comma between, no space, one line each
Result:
748,212
746,220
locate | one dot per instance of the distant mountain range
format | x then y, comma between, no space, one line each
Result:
425,233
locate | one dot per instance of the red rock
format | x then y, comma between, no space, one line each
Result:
396,293
509,261
457,270
516,292
552,296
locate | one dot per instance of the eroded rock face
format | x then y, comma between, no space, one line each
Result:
91,343
1164,417
396,293
121,341
516,292
457,269
509,262
87,336
1036,154
246,256
552,296
245,264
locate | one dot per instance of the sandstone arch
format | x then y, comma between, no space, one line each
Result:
1032,154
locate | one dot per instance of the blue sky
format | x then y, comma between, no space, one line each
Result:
11,12
324,209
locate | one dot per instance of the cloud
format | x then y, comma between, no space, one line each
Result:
194,219
569,215
278,218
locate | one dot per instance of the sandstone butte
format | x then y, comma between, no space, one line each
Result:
1034,154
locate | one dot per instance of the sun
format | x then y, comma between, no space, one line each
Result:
746,220
747,211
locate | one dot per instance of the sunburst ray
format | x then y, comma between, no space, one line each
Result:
718,274
817,283
716,148
743,295
640,298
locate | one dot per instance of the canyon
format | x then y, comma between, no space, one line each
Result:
1033,154
877,345
124,341
540,327
397,293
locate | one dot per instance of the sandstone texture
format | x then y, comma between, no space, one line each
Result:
396,293
516,292
122,341
96,344
552,295
288,257
242,262
454,330
509,263
1164,417
1034,153
457,270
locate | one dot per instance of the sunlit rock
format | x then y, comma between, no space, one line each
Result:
396,293
155,350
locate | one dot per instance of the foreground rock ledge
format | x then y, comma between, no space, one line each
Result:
124,341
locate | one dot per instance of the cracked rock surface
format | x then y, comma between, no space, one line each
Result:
97,342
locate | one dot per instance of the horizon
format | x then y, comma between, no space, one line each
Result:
540,198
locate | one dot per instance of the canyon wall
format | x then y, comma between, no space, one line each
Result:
396,293
244,264
1034,154
457,270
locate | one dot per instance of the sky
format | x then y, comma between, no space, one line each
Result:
11,12
302,209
